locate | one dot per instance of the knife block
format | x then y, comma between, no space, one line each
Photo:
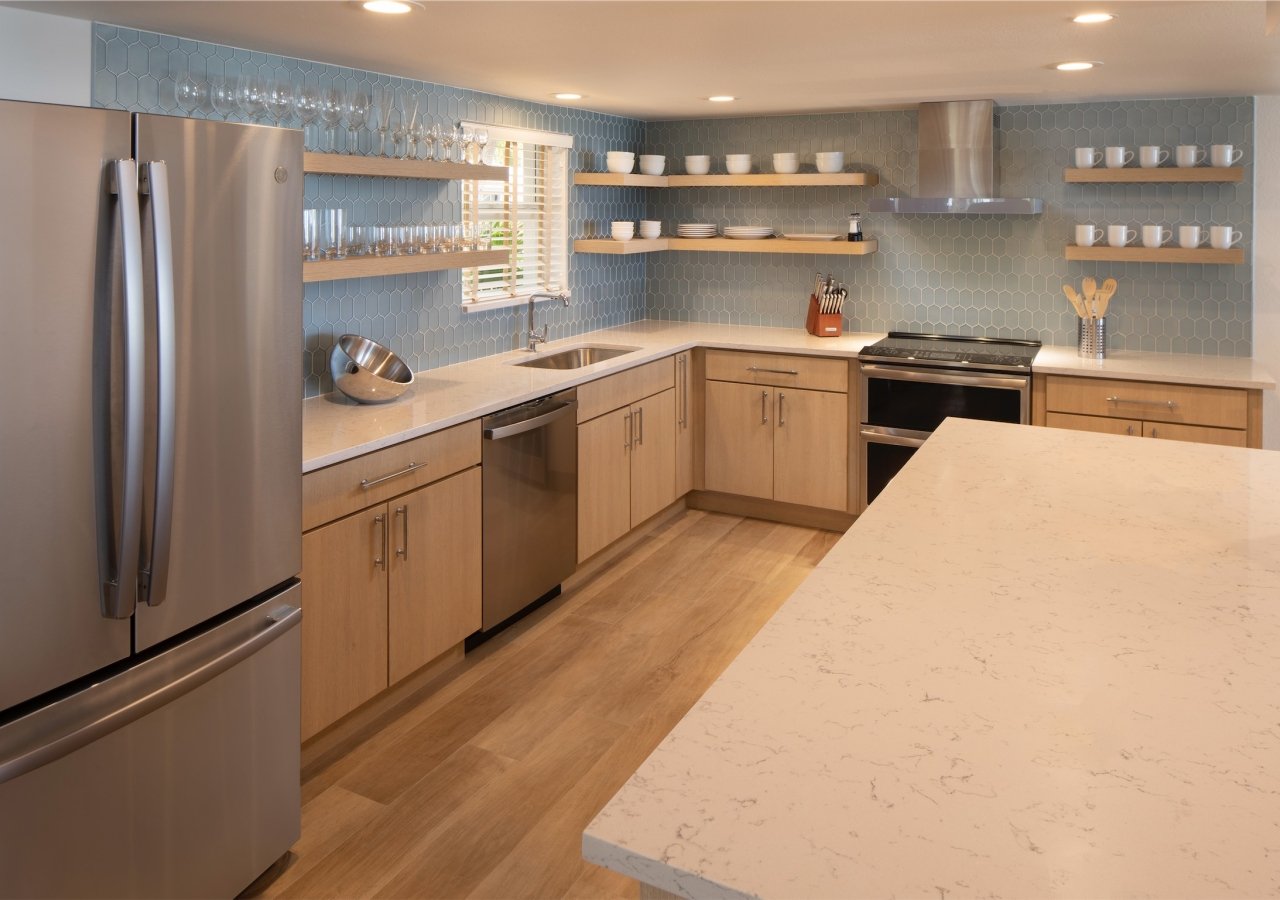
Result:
821,324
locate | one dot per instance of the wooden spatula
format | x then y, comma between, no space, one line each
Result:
1088,288
1070,291
1104,296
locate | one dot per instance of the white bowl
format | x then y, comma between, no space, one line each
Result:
650,230
830,162
738,163
623,231
620,154
786,163
653,165
620,165
697,165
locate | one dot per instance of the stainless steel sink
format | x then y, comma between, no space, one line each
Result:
576,357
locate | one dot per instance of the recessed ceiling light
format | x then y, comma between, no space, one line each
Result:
567,95
722,98
1092,18
393,7
1075,66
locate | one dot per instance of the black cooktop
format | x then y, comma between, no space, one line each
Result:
952,351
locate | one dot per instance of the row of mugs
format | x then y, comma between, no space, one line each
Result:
623,162
625,231
1220,237
1185,156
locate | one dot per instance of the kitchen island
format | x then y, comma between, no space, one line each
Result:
1044,663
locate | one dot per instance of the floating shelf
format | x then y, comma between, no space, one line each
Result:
378,167
1205,255
806,179
376,266
1152,176
726,245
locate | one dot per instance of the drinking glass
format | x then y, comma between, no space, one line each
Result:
332,107
399,129
311,234
307,105
191,93
432,139
415,137
222,95
482,140
335,234
468,143
411,125
457,156
356,111
357,241
381,117
279,100
446,142
251,97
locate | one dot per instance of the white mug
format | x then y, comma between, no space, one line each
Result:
1118,157
1151,157
1155,236
1223,236
1119,235
1189,236
1087,235
1188,155
1223,155
1087,157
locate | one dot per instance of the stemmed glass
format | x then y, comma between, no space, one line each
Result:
382,118
357,111
468,143
399,128
251,97
413,132
429,138
482,140
191,93
222,95
446,139
279,99
457,142
332,107
307,104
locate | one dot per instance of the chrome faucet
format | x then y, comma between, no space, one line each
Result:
540,337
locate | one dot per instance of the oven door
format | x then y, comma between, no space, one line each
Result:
918,399
884,451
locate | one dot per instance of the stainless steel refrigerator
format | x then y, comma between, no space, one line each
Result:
150,502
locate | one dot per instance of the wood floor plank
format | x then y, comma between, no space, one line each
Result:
327,822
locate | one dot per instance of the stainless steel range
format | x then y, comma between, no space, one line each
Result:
911,382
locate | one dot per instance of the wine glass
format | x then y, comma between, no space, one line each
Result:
332,108
429,138
307,105
251,97
413,132
382,118
446,142
279,100
222,95
356,113
399,128
482,140
457,142
191,93
468,143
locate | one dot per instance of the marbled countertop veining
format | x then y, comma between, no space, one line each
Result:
335,429
1044,663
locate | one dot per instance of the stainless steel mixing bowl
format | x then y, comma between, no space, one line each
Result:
366,371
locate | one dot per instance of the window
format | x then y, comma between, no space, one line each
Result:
527,215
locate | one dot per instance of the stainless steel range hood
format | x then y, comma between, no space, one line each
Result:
957,165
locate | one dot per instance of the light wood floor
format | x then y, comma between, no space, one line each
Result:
482,787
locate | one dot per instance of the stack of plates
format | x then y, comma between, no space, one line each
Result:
747,232
696,231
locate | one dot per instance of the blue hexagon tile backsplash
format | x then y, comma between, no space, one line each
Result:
999,275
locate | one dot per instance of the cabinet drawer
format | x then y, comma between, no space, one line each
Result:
335,491
1165,431
1187,404
811,372
595,398
1099,424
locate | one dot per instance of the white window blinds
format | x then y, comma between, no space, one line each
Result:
526,215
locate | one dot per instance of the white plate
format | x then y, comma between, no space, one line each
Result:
748,237
812,237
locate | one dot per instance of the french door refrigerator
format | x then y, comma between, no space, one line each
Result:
150,491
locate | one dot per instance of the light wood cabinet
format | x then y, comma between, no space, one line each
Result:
653,455
1179,412
779,443
604,481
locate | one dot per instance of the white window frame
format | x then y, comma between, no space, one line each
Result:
556,222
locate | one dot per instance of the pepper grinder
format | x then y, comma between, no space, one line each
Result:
855,226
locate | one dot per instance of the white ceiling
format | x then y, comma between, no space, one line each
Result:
655,59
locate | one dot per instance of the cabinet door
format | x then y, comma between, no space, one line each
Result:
1099,424
604,481
811,448
739,439
434,580
653,456
683,422
344,620
1165,431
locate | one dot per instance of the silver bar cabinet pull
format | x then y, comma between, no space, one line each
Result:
764,407
782,417
626,441
1167,404
380,560
684,394
367,483
640,429
773,371
403,513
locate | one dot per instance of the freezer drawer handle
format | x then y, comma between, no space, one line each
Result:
29,758
367,483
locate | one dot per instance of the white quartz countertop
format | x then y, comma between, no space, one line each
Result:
335,429
1044,663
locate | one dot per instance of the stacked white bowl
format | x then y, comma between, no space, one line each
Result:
786,163
697,165
650,229
652,164
623,231
738,163
830,162
620,161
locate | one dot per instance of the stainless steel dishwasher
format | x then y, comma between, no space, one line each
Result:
530,477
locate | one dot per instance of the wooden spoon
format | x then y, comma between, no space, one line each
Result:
1070,291
1104,296
1089,288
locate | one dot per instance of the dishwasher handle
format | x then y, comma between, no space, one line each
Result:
505,431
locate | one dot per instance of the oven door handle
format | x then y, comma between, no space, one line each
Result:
899,437
1008,382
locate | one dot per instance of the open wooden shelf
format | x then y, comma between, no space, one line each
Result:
1207,255
803,179
1152,176
376,266
726,245
378,167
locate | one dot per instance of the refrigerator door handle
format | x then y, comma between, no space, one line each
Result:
38,748
154,180
120,586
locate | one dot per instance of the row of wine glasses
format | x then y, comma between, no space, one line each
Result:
396,125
